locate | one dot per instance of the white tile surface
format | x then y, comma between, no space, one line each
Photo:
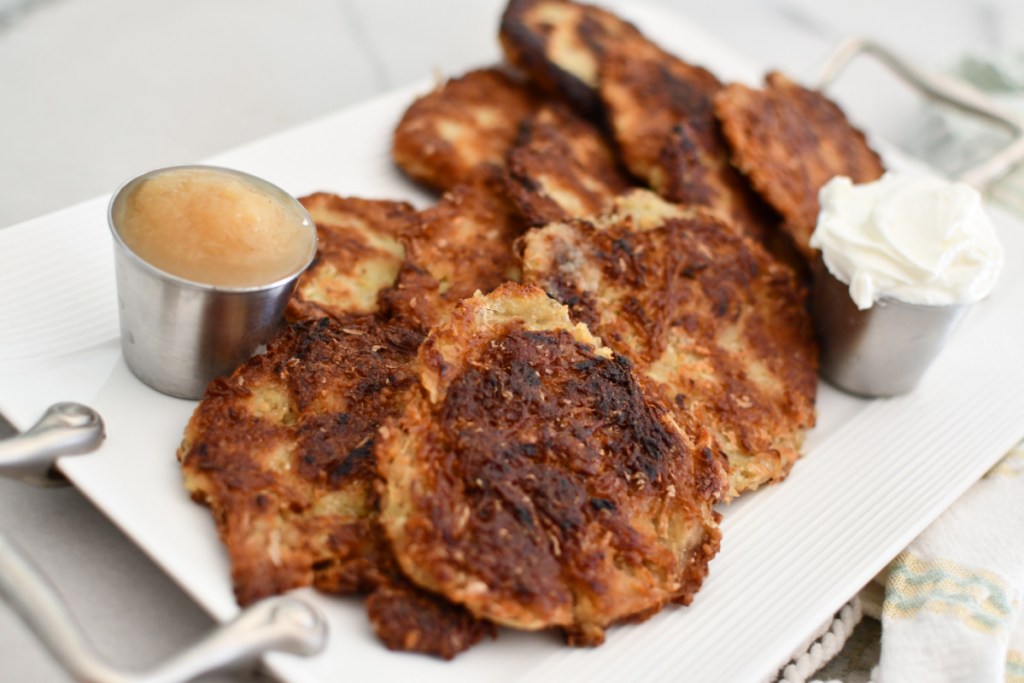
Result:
92,92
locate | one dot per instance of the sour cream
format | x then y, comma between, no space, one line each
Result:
917,239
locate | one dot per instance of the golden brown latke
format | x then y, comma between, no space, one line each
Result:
561,167
282,452
647,93
533,480
358,253
790,141
706,313
560,45
662,115
462,244
463,128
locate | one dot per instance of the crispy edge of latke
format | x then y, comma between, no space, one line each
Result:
407,618
423,151
783,179
661,111
440,270
345,226
646,92
684,174
562,166
524,40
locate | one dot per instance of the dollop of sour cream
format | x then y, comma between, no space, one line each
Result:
918,239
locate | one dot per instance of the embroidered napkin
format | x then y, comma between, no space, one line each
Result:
954,601
953,605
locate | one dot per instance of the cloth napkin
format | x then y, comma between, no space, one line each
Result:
954,599
951,604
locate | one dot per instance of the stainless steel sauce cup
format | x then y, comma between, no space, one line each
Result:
176,334
883,350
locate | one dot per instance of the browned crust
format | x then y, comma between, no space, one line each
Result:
561,167
358,253
462,244
461,129
281,451
533,480
790,141
560,45
647,93
705,313
661,112
409,619
699,174
530,475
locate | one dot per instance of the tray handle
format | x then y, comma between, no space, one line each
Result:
282,624
943,89
65,429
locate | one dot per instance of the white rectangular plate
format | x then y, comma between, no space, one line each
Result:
874,475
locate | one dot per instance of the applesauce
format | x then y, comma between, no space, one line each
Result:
215,226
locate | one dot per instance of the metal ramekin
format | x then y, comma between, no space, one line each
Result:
177,334
880,351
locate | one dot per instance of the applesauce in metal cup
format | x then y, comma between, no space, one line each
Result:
205,259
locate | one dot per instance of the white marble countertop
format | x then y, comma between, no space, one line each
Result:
92,93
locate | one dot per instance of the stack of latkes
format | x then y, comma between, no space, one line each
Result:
518,407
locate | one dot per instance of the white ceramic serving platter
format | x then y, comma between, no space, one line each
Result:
874,475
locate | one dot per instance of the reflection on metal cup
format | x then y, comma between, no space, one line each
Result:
176,334
880,351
